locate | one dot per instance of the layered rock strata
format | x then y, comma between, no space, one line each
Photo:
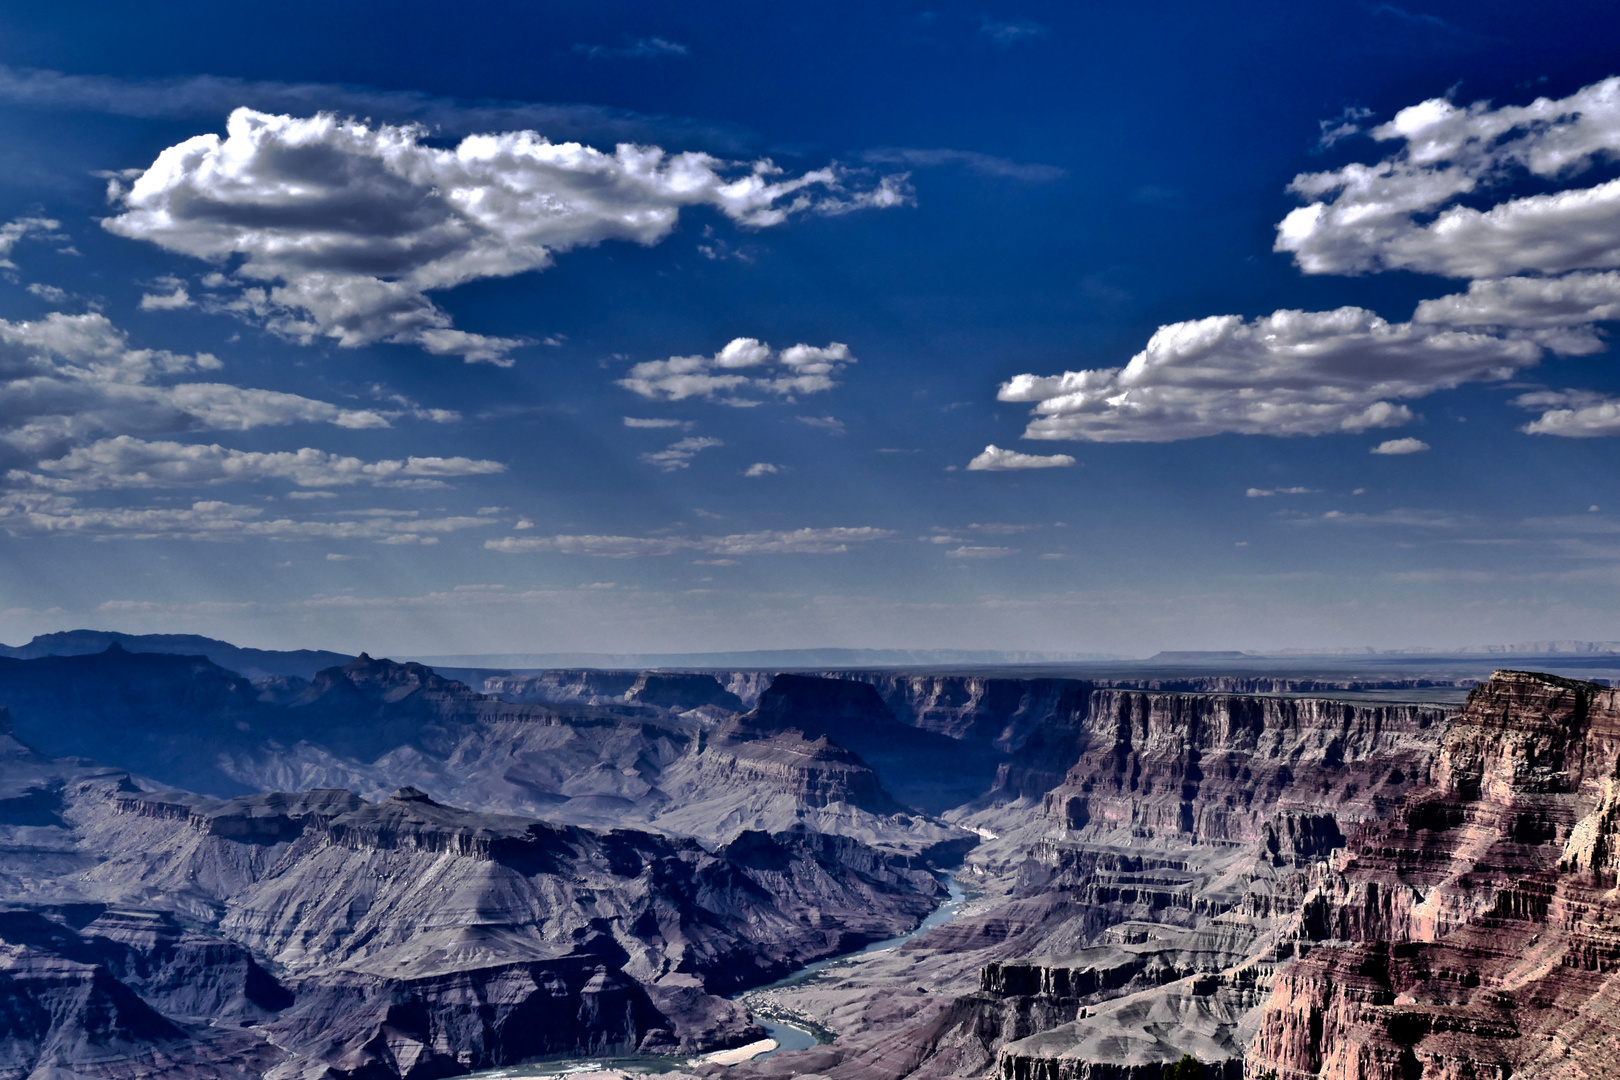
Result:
1137,911
1474,934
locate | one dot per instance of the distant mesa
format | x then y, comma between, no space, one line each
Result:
249,663
1196,656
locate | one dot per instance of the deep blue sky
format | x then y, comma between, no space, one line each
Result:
1064,180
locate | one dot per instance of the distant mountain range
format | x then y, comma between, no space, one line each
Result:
249,663
304,663
779,659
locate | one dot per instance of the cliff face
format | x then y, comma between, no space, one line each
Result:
1178,843
1474,932
1220,767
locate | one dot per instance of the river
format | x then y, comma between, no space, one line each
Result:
779,1021
790,1032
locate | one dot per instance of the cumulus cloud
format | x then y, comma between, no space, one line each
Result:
744,366
174,299
1400,446
1544,270
762,468
775,542
1546,304
338,229
68,378
48,514
1401,213
1266,493
679,455
126,462
1572,413
1288,373
636,422
995,459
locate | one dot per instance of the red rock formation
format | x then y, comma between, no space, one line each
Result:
1478,930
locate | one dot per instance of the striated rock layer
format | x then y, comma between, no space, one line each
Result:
1477,932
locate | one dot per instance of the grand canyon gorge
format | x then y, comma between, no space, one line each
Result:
312,865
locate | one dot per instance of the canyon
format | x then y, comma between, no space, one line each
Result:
373,870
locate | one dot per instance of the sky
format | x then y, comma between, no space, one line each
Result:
562,327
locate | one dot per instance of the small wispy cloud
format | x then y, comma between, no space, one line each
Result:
1013,32
830,424
1346,124
679,455
969,160
640,48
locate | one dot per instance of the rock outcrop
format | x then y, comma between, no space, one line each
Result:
1473,934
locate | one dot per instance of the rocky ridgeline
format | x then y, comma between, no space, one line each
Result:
1398,890
319,934
1476,933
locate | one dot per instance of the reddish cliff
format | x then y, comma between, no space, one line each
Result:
1476,933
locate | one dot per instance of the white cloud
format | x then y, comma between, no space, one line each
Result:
1263,493
775,542
830,424
176,298
1401,213
68,378
745,365
762,468
341,228
1400,446
1561,308
126,462
635,422
1572,413
970,552
995,459
51,294
679,455
14,231
1420,519
1288,373
41,514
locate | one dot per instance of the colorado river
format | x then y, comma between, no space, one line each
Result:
778,1021
784,1026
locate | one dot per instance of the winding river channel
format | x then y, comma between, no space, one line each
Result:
792,1032
787,1029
